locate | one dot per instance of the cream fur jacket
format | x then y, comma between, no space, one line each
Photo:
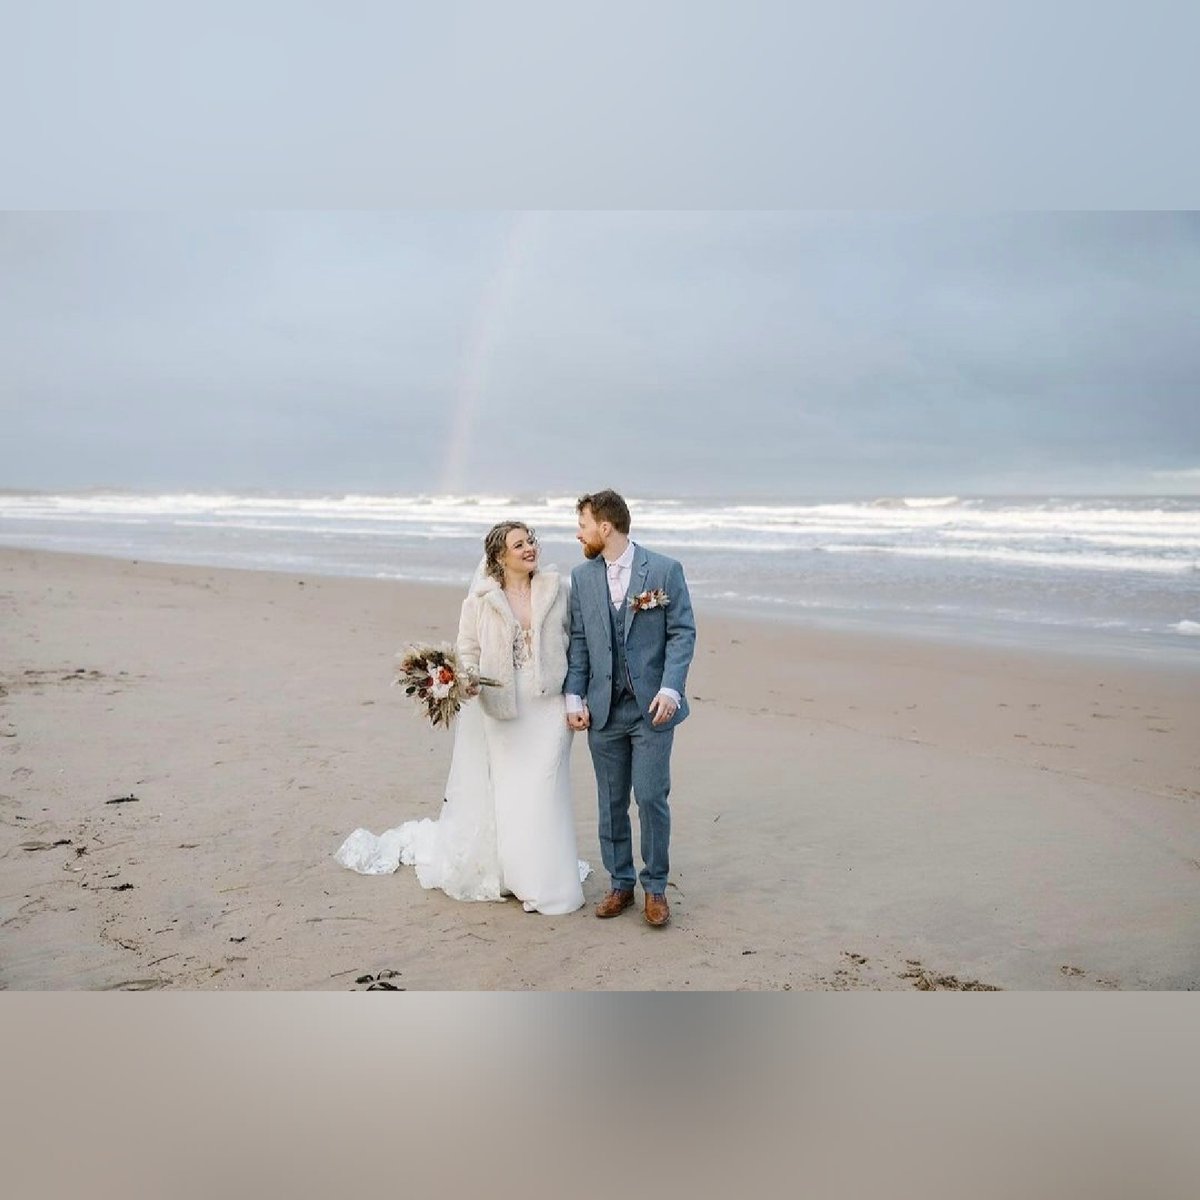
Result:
487,628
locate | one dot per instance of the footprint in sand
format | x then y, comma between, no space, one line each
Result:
926,980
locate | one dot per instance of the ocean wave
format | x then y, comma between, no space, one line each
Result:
931,501
81,518
916,502
342,530
917,513
1132,540
1031,558
1187,628
759,598
1096,534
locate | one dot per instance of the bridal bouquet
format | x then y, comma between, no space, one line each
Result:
434,677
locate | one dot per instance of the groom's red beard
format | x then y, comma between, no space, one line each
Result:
592,549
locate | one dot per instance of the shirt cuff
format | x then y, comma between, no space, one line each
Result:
671,695
574,703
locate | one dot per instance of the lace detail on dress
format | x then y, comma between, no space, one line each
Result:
522,647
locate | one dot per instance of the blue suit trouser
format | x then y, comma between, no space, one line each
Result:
628,754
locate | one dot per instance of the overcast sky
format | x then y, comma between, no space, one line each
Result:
742,353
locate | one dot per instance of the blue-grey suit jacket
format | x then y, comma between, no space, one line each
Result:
659,642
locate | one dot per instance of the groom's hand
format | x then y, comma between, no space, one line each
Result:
662,709
579,721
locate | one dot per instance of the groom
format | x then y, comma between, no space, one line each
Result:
632,637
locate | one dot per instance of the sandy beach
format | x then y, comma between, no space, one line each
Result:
183,749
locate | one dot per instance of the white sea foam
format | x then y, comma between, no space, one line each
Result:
1129,541
1079,533
1121,565
1033,558
914,514
338,529
915,502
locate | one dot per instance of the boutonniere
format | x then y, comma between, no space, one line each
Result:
645,600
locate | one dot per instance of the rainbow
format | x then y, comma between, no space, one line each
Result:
491,318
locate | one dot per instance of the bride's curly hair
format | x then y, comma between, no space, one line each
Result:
495,544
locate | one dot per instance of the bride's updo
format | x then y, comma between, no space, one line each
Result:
496,543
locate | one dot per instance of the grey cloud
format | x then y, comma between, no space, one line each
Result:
694,352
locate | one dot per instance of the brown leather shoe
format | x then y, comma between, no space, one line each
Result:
658,911
615,902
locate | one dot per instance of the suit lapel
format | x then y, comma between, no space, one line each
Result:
600,594
637,584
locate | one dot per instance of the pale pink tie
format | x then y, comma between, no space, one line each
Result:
614,582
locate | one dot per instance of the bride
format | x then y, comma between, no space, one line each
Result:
506,827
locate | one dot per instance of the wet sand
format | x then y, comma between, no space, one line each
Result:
183,749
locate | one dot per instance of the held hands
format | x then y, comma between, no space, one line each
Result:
580,720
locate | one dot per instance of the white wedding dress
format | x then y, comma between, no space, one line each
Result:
506,826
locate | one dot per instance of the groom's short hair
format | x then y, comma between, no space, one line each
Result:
606,506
